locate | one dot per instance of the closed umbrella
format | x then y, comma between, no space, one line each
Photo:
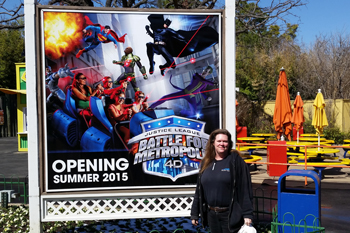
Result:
298,114
236,115
319,120
282,116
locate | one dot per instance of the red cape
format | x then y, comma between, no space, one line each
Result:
111,32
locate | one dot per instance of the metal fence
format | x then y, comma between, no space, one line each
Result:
263,200
8,103
16,186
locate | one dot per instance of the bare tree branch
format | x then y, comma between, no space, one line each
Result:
252,15
10,18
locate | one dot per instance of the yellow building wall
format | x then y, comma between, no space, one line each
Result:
339,108
21,107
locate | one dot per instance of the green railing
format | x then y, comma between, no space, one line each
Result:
19,185
277,227
264,204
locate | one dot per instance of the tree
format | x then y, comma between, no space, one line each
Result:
11,15
328,67
255,16
11,47
171,4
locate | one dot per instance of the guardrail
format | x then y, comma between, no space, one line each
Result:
13,189
305,164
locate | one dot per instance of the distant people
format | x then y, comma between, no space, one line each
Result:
140,104
223,197
117,112
82,93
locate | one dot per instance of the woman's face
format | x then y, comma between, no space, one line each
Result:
110,83
121,99
82,80
141,98
221,144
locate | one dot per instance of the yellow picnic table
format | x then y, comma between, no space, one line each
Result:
345,149
265,135
347,140
250,148
310,139
328,163
251,158
321,150
295,145
310,135
250,139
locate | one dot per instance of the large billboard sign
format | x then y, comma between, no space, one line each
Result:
131,97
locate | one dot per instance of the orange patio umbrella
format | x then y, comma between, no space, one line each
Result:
298,114
282,116
236,115
319,120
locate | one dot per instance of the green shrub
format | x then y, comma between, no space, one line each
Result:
308,127
335,134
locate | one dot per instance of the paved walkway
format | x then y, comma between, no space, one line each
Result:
13,163
335,186
335,189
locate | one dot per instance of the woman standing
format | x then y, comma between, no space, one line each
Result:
223,195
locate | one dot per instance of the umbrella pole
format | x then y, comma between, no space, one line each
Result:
319,141
297,136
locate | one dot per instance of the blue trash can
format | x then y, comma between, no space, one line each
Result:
298,206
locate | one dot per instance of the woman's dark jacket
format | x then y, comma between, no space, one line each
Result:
242,202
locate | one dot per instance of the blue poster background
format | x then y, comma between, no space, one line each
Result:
168,139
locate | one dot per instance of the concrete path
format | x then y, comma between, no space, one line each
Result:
335,185
12,163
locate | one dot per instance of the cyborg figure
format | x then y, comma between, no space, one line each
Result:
52,83
128,61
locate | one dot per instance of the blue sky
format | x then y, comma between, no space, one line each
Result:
322,17
317,17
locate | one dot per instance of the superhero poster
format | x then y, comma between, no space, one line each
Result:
131,97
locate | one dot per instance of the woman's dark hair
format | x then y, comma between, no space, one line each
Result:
75,83
116,97
105,81
210,149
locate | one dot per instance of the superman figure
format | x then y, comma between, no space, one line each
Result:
97,34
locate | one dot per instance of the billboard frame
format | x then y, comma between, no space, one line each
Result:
36,131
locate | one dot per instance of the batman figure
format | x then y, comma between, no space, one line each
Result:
170,43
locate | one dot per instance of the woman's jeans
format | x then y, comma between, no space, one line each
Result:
218,221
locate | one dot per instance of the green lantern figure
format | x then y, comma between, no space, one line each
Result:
128,61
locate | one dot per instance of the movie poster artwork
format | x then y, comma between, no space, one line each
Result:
131,97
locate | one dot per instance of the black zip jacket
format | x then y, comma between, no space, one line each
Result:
242,196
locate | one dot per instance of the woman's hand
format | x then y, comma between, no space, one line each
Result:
194,222
145,105
247,221
100,87
129,111
125,85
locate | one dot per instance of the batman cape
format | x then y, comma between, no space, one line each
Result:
196,40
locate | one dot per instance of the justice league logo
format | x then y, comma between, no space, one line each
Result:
170,147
